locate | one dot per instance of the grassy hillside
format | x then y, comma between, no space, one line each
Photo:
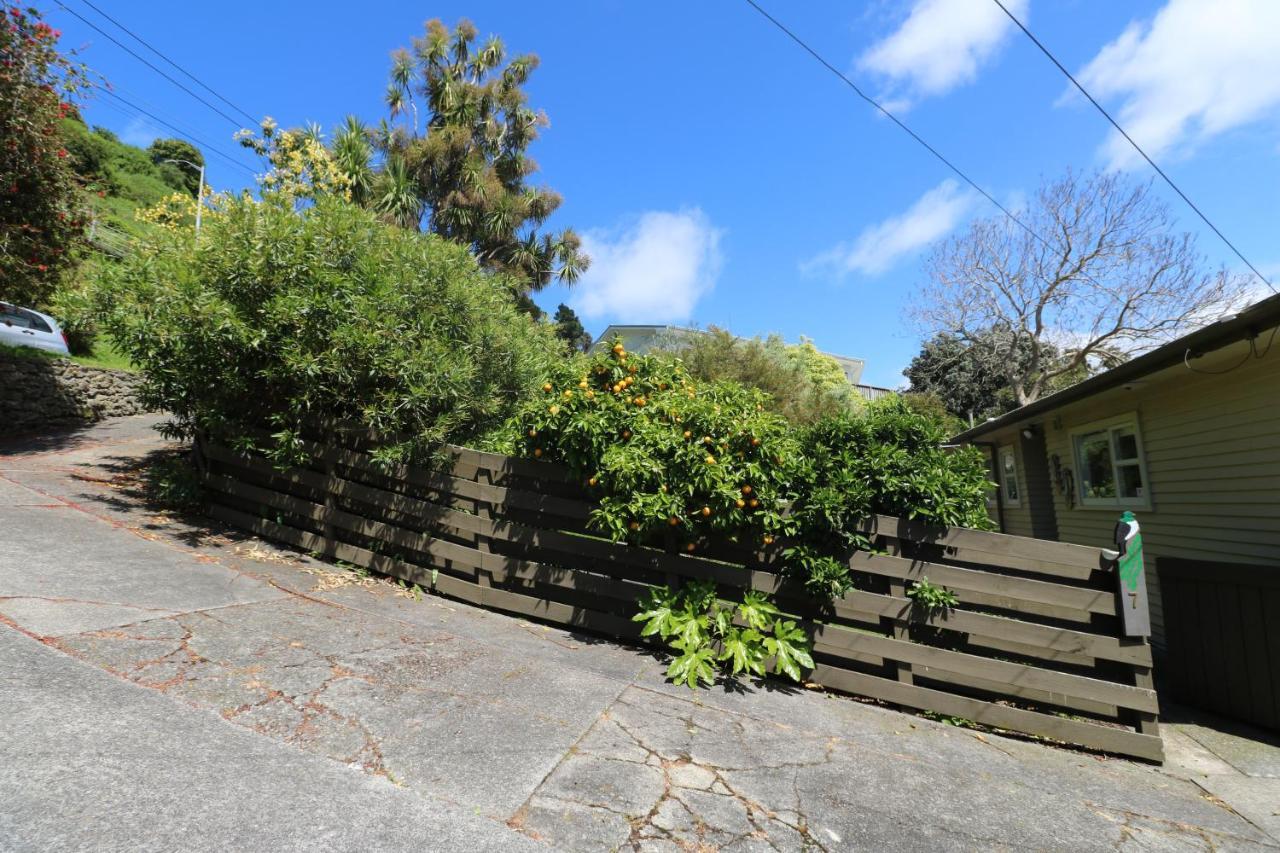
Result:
119,178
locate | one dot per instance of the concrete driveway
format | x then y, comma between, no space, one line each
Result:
170,685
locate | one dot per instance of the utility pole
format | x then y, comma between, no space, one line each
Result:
199,192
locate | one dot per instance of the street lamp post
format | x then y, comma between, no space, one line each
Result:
199,192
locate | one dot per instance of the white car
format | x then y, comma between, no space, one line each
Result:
22,327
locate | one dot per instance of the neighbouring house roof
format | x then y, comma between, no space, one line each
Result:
1251,321
852,367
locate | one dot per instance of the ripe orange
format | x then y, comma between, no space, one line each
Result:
583,385
755,442
673,521
592,482
746,490
768,540
533,433
690,547
740,502
706,512
635,525
537,451
546,387
687,435
619,349
711,460
553,409
626,433
640,402
632,369
754,503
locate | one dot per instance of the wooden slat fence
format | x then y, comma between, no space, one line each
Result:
1035,645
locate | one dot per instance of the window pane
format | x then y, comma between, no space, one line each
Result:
1126,444
1097,476
1130,481
1009,474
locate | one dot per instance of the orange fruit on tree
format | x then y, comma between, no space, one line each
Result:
690,547
746,490
754,503
626,433
619,349
673,521
687,435
706,512
537,451
740,502
711,460
768,540
592,482
546,387
583,385
533,433
755,442
635,525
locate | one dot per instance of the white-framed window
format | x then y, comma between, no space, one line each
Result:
1111,469
1009,489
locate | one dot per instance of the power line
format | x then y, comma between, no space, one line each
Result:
135,55
206,146
861,94
1136,146
188,74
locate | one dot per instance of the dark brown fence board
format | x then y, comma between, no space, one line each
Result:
503,544
1057,683
988,713
1017,591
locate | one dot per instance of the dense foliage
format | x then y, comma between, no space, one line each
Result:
181,155
41,218
707,633
803,384
677,463
570,329
277,316
456,151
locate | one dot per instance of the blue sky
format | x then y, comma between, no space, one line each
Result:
720,176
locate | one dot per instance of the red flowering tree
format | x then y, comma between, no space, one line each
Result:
41,218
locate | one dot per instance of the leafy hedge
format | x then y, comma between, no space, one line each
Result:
274,317
677,463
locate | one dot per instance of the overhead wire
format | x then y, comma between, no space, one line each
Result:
185,72
135,55
893,118
1136,146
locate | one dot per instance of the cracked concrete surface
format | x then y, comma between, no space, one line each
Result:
505,732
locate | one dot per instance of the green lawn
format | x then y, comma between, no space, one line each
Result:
103,355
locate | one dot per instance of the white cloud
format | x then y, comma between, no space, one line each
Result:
1196,70
654,270
940,46
139,132
880,246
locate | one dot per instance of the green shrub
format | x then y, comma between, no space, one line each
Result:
677,463
274,318
740,638
671,461
887,461
803,384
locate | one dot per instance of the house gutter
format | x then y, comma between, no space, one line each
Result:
1248,324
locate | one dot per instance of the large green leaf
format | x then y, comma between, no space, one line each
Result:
693,667
744,649
789,646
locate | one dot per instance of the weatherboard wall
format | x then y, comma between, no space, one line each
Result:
1212,450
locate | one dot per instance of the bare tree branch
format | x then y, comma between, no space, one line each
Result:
1113,279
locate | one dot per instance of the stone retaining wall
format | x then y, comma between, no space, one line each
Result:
39,392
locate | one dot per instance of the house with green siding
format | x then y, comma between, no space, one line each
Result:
1187,437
